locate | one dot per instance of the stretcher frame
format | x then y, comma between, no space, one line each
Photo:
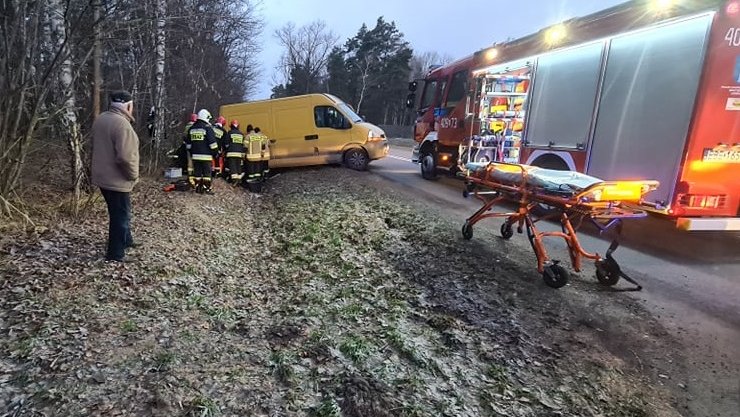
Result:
605,215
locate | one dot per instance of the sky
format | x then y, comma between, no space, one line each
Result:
457,28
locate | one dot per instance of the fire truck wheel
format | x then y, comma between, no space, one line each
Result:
467,231
428,167
606,274
507,231
555,276
356,158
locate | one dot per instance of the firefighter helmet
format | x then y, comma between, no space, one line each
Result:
221,121
193,117
235,124
204,115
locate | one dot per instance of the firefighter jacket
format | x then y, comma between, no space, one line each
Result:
256,145
219,132
201,142
252,147
234,144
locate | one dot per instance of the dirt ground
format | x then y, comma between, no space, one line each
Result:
328,295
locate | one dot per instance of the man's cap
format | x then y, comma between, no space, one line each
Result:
121,97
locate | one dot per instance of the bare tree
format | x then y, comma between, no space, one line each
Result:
307,50
97,57
364,67
58,10
159,87
420,63
166,52
19,103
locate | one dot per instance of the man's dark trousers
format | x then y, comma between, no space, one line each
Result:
119,229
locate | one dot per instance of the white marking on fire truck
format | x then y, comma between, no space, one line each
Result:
733,37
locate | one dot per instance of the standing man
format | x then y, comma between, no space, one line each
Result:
201,143
219,132
115,169
234,148
265,164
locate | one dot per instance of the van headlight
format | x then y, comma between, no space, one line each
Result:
374,136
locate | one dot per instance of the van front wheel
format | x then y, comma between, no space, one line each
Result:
357,159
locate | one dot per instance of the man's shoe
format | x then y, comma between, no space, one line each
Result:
133,245
112,260
209,191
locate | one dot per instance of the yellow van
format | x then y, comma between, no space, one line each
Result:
312,129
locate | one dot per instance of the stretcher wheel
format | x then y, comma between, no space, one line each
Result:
469,188
607,273
555,276
507,230
467,231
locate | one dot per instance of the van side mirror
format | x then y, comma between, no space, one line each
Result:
413,85
410,100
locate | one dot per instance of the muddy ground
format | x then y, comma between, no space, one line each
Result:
327,295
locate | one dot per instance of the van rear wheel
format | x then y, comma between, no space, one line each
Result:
357,159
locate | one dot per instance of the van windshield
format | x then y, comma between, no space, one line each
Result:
347,110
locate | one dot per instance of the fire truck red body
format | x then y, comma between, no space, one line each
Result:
630,92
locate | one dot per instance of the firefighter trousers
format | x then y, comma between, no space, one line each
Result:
253,171
202,174
234,165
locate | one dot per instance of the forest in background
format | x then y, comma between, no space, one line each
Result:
59,59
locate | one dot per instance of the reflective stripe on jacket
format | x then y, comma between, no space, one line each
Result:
234,144
201,142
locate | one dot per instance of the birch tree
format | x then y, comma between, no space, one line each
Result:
54,53
70,129
159,76
371,72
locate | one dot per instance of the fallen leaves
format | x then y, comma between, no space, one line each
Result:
325,295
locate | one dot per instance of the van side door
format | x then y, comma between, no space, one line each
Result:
295,133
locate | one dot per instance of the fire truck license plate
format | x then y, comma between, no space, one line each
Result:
731,156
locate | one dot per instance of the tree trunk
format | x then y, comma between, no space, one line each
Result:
364,75
97,58
68,118
159,88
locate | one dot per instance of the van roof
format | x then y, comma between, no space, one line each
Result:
332,98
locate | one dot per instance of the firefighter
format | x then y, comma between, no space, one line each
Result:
202,146
184,153
265,153
255,154
234,148
219,132
251,165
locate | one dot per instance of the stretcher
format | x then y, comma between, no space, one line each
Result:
567,197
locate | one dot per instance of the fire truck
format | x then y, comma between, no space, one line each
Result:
642,90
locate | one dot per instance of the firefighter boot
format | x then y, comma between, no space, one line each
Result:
199,185
207,186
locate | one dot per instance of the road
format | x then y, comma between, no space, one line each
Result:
691,280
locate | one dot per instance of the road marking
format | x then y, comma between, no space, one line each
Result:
400,158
